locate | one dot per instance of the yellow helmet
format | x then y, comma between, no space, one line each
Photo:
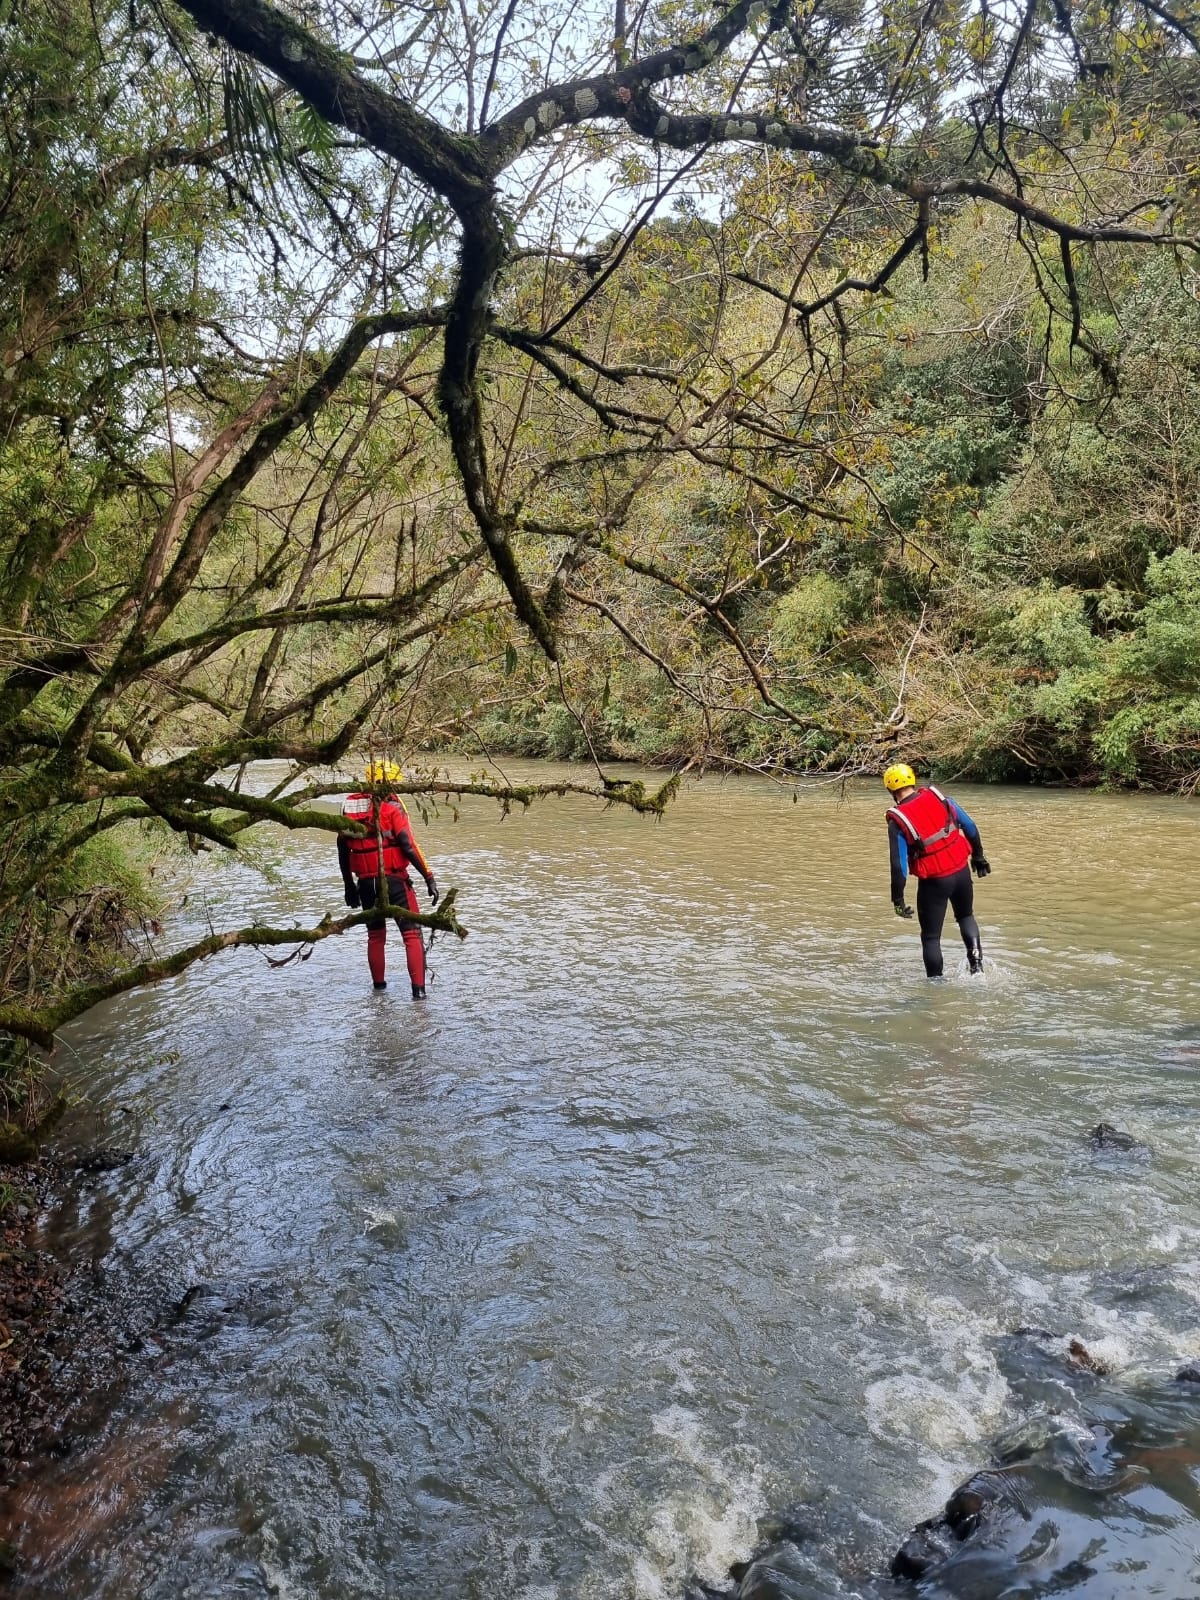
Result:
383,772
899,777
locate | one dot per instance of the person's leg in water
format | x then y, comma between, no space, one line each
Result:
376,933
402,893
933,896
962,902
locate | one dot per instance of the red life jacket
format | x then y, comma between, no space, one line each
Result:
937,845
364,853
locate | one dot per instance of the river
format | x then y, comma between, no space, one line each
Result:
685,1197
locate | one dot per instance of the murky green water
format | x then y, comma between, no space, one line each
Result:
684,1197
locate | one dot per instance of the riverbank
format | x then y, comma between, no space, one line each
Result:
33,1318
70,1327
554,738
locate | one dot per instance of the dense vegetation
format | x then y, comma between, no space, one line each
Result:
1013,591
788,385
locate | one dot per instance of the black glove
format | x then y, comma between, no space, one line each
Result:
352,895
901,909
434,895
980,866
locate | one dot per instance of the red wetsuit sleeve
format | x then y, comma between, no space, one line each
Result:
397,830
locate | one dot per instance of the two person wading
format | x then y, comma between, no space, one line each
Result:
928,834
375,871
933,836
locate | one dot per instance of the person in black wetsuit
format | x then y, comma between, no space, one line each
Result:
929,834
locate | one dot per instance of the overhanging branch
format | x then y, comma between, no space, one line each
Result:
39,1024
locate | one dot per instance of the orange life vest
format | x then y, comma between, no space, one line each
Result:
386,817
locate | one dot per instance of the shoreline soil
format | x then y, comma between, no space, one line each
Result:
71,1324
34,1316
728,764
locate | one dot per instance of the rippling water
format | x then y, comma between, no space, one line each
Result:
684,1197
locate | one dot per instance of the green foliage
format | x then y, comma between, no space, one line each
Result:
321,394
808,616
1047,628
1013,578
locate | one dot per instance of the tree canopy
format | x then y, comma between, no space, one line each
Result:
770,382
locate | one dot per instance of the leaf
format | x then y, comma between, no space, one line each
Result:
311,130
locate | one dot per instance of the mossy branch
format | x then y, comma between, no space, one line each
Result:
39,1024
612,791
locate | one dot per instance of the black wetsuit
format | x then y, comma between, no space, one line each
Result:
956,890
953,889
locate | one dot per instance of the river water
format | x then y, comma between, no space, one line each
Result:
684,1198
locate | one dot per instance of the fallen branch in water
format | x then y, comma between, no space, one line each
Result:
39,1024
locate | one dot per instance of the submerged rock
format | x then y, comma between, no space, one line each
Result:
1105,1484
101,1160
1094,1490
1153,1290
1080,1356
1045,1369
788,1565
975,1504
1105,1137
786,1573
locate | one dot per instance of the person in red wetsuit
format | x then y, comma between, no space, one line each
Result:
933,836
383,854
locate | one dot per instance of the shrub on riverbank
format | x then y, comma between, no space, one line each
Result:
64,923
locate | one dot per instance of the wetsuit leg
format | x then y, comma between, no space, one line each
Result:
933,896
962,902
402,893
376,931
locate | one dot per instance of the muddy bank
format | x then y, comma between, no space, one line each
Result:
33,1316
73,1326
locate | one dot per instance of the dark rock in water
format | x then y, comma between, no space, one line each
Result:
788,1565
99,1160
972,1503
192,1292
972,1506
1080,1356
929,1545
1102,1486
1094,1490
207,1308
1105,1137
793,1526
785,1572
1045,1369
